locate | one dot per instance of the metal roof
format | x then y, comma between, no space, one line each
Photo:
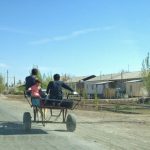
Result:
76,79
118,76
112,77
103,82
132,81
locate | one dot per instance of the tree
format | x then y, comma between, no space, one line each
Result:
65,77
46,80
2,84
146,73
19,82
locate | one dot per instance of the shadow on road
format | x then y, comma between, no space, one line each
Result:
114,121
61,130
16,128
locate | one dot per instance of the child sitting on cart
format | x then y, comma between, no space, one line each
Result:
36,93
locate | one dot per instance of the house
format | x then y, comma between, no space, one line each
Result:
111,85
134,88
115,85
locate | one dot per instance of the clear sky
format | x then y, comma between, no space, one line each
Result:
77,37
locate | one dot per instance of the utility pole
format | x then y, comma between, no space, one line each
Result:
100,76
14,81
7,81
128,67
122,86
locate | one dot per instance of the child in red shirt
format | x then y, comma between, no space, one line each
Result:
35,93
35,89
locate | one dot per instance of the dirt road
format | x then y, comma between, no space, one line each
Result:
95,130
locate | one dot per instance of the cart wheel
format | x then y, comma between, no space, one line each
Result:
71,123
27,121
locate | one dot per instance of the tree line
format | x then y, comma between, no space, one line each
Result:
20,87
145,72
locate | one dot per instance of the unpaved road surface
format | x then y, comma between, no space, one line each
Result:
95,130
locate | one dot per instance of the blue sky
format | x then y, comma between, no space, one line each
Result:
77,37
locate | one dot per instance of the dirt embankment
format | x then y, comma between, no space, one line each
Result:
17,97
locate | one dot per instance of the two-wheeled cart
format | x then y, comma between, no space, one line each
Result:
70,103
52,104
